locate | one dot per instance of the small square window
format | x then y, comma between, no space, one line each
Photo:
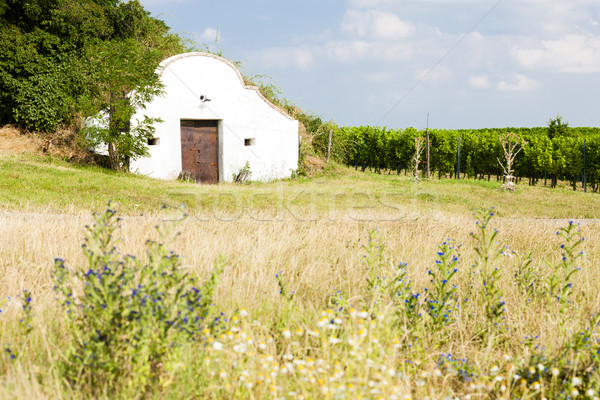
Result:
249,142
154,141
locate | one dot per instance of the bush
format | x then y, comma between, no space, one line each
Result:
128,319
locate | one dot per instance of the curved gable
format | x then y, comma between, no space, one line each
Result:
164,65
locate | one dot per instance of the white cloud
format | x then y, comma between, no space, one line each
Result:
571,53
520,83
210,35
357,50
378,25
480,82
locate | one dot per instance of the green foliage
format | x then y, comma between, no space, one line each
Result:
388,287
559,282
556,127
377,268
527,277
546,154
65,60
441,299
27,320
404,300
487,268
570,374
127,317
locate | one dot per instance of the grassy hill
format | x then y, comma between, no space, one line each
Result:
31,182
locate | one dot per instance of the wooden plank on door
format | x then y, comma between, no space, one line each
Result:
199,155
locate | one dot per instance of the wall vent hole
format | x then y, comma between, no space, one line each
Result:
249,142
154,141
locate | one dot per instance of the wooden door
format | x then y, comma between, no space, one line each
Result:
199,156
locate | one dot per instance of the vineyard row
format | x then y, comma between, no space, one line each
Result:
570,154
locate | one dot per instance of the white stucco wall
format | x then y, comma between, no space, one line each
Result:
242,111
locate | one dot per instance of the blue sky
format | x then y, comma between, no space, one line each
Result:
468,63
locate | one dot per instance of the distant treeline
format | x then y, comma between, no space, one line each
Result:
552,153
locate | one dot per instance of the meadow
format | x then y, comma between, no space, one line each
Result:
344,285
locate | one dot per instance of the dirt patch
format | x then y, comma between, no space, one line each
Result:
62,144
13,141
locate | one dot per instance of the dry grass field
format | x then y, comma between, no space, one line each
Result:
310,302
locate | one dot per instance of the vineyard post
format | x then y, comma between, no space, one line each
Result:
427,150
428,172
329,145
458,159
584,175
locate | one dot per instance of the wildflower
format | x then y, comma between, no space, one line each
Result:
223,374
576,381
494,370
590,393
240,348
262,345
243,313
536,386
554,371
217,345
334,340
286,333
541,367
574,392
363,314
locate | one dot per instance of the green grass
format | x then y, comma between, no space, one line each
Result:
32,183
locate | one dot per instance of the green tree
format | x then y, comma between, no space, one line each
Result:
65,60
557,127
125,89
125,70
